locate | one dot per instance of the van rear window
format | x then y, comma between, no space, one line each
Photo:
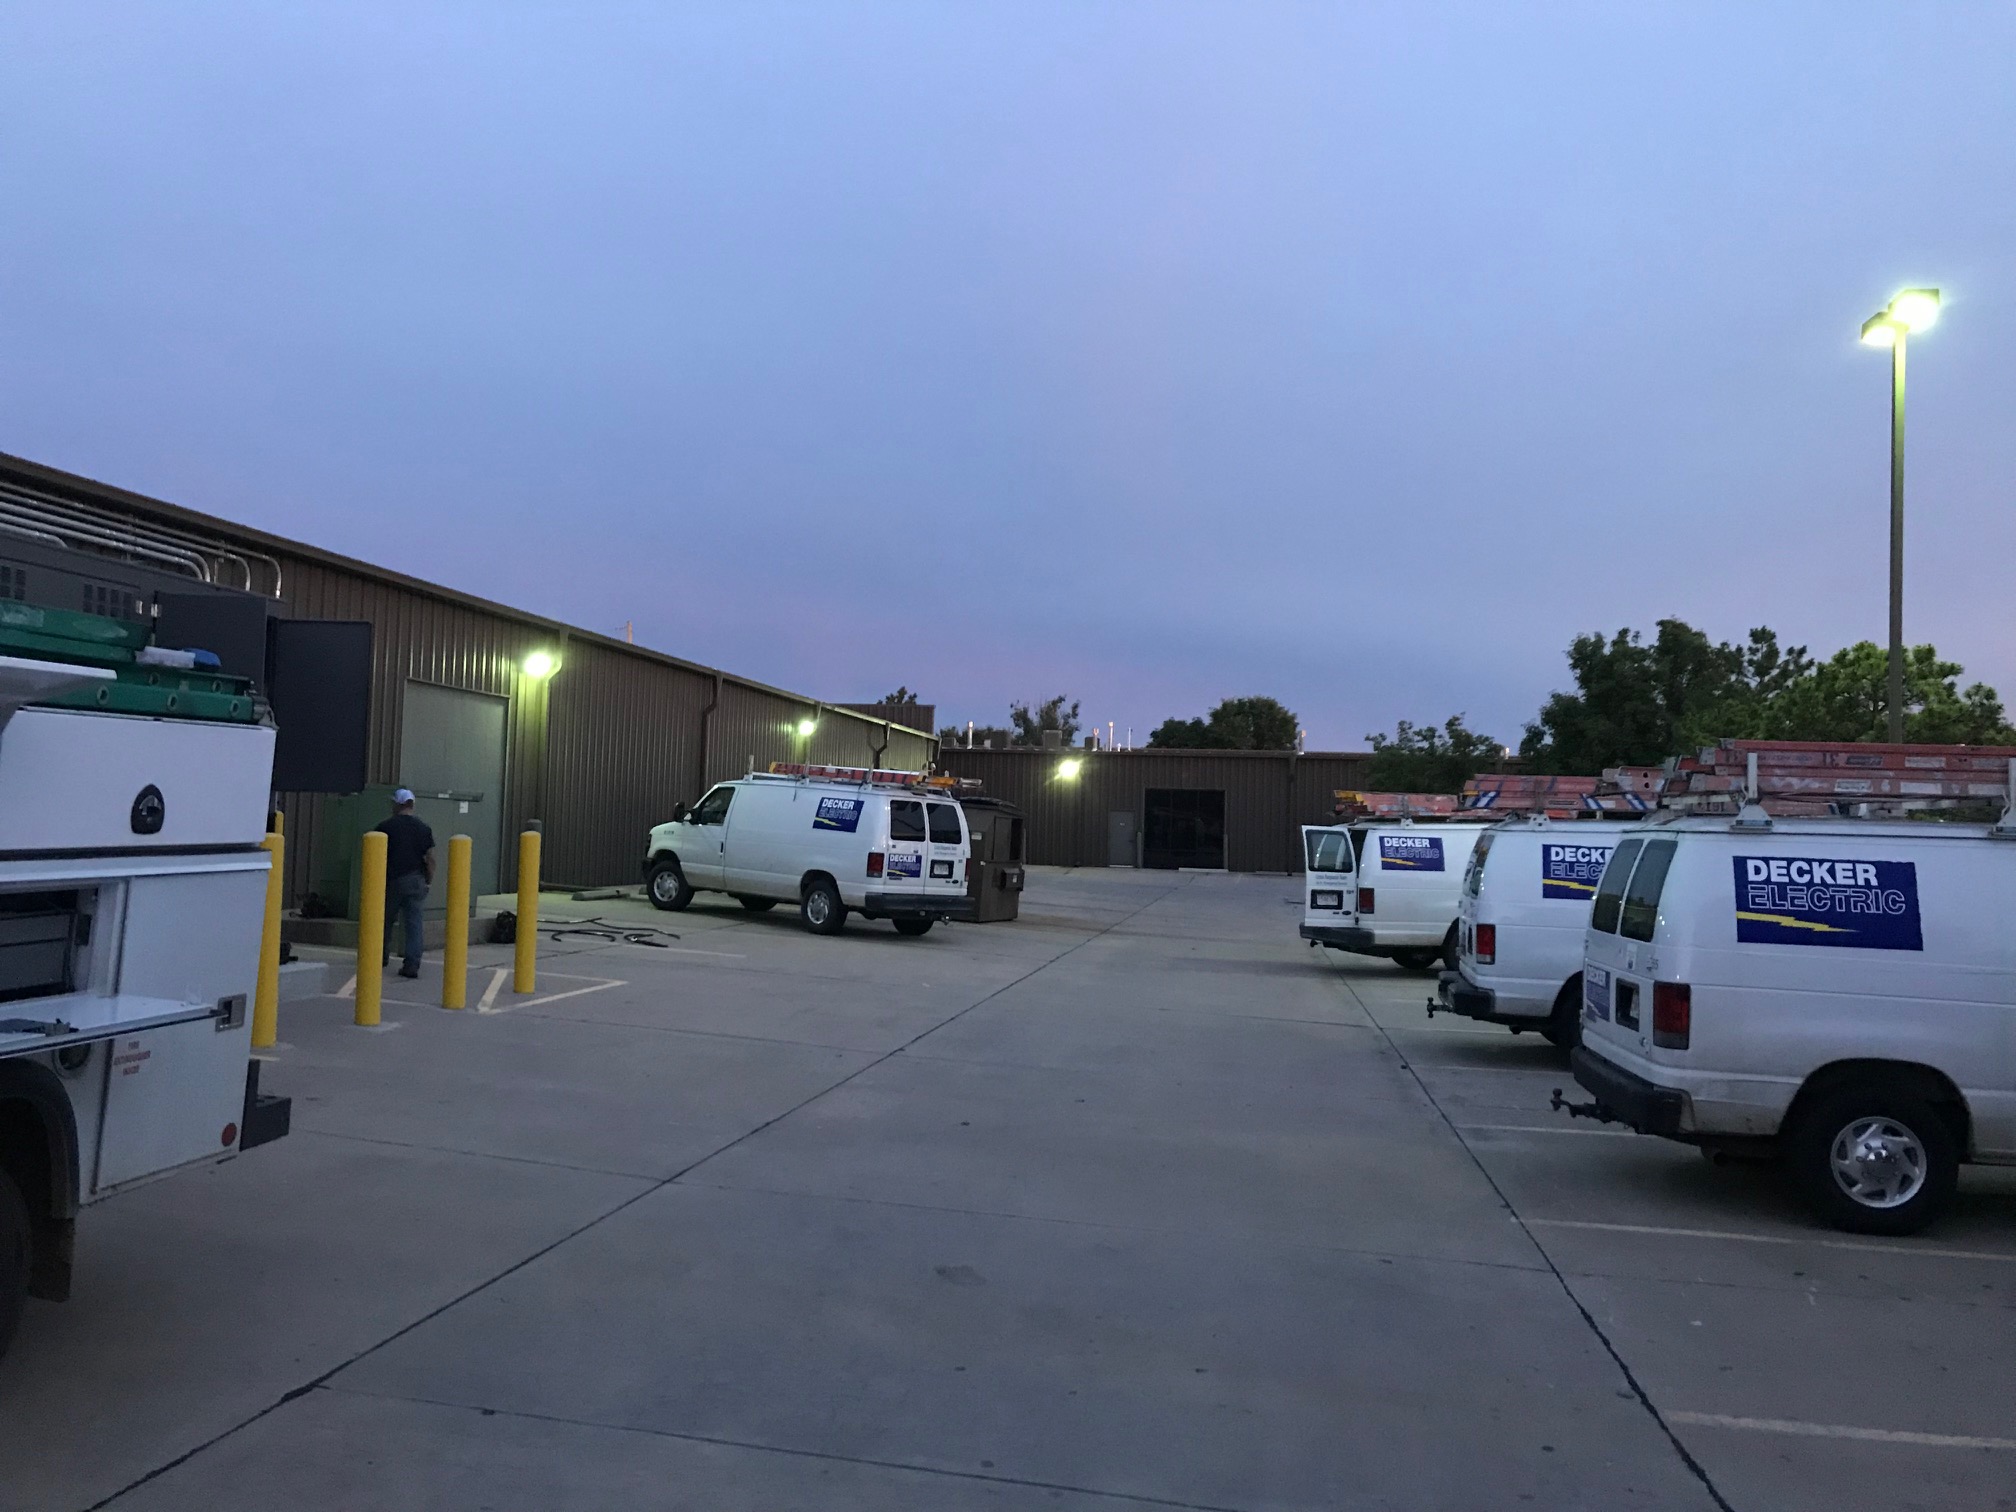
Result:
944,824
906,819
1610,891
1328,851
1473,874
1648,881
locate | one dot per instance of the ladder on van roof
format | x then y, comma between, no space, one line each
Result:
1819,778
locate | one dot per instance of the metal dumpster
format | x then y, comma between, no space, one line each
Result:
994,879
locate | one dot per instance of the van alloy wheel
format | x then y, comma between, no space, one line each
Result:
1878,1162
821,908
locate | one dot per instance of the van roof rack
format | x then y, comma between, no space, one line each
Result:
1824,779
803,771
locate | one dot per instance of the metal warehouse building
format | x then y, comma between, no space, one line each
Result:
1239,810
597,752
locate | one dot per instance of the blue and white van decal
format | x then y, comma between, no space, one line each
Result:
1571,871
1809,900
838,814
900,865
1411,852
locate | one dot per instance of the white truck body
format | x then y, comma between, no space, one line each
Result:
132,897
886,851
1401,903
1522,921
1756,983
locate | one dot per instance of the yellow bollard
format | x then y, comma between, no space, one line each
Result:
455,949
266,999
524,975
370,928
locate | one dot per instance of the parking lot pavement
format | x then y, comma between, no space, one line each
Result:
1801,1367
1136,1202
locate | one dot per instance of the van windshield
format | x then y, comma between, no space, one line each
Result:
1329,850
1473,874
1610,891
1648,881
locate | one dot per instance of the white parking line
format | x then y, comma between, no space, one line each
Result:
1840,1431
497,975
597,984
1541,1129
1923,1252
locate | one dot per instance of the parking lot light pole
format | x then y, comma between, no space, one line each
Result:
1912,310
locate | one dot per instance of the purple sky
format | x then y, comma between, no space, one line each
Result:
1355,354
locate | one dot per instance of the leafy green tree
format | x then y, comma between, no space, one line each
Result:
1059,714
902,695
1237,724
1253,724
1427,759
1181,735
1847,697
1636,703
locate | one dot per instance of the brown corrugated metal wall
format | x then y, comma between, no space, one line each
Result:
599,753
1269,796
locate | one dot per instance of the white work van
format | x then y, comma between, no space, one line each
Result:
883,847
1838,991
1521,923
1397,897
132,896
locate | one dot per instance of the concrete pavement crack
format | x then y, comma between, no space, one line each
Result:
1699,1471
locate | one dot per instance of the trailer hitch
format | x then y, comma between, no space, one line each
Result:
1435,1006
1591,1109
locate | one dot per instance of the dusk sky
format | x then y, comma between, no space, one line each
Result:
1360,355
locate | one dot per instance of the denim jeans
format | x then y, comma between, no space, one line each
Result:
404,897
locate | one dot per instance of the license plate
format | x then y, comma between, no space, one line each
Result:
1595,992
1326,900
942,869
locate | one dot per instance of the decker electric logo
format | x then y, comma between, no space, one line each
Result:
1571,871
1804,900
838,814
1411,852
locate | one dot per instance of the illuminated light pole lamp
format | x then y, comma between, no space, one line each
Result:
1911,311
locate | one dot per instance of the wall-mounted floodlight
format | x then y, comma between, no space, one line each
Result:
1069,768
541,664
806,727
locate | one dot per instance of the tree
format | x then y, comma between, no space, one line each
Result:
1847,697
1181,735
1237,724
901,696
1052,714
1636,703
1424,759
1253,724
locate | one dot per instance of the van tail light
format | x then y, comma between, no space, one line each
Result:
1364,900
874,863
1485,947
1672,1015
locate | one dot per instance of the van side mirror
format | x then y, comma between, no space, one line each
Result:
679,812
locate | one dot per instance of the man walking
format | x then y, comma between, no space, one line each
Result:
409,872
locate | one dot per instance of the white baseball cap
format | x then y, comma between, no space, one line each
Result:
402,795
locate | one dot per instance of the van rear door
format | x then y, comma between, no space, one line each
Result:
1329,871
1617,974
909,846
945,871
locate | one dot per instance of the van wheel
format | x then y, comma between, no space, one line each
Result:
16,1239
1874,1158
756,905
912,927
822,910
1564,1025
666,887
1418,960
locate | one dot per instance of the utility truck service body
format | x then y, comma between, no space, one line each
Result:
1522,922
886,845
1838,991
133,799
1397,896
